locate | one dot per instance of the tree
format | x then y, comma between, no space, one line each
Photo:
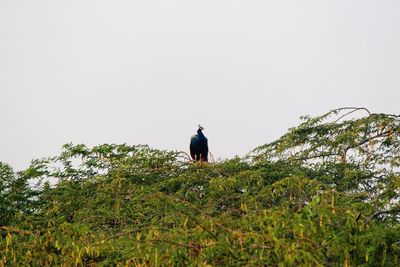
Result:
324,194
353,154
17,198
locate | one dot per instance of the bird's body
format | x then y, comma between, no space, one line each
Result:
199,146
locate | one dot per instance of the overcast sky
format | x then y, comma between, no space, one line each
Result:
147,72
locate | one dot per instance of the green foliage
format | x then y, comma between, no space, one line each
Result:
17,198
353,155
284,205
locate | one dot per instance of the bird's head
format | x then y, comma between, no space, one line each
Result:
201,128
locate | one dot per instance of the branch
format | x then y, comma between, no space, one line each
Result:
381,212
354,109
317,156
195,246
15,230
383,134
184,155
389,115
348,113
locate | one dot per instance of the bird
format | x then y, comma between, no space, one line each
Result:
199,146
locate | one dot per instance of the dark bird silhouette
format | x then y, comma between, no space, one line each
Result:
199,146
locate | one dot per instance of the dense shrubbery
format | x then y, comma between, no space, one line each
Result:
326,193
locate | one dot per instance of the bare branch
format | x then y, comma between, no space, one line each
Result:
348,113
381,212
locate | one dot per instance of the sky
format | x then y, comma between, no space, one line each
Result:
148,72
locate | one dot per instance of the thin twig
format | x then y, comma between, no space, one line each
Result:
348,113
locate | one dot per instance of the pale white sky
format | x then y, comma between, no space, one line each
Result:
147,72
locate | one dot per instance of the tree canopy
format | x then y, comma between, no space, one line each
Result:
325,193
